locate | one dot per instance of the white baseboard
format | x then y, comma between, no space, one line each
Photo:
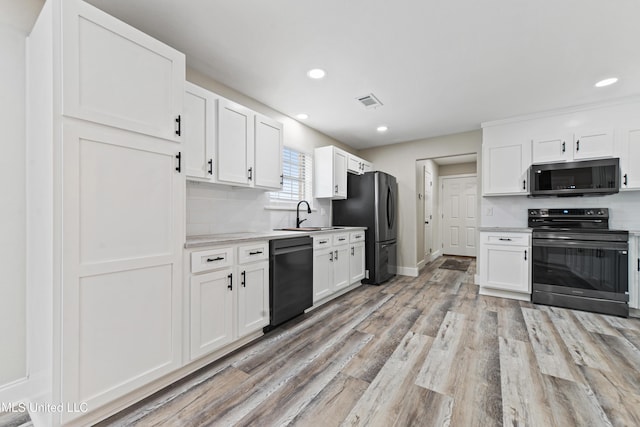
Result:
16,391
421,264
504,294
407,271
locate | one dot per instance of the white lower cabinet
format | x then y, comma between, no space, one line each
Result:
211,312
337,263
505,264
229,296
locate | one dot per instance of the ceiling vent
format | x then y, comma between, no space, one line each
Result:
369,101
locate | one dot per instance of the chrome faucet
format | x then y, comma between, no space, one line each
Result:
298,220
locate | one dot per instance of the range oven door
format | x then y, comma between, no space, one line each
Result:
587,268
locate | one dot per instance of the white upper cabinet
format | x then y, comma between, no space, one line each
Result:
235,144
593,144
630,159
504,169
268,153
357,165
116,75
199,132
551,149
330,173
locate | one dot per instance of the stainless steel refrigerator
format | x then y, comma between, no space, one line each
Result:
371,202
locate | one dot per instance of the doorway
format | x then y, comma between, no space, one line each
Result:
428,214
459,217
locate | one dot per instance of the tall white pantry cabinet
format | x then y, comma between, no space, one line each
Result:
105,206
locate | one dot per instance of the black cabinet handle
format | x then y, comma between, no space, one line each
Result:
322,242
564,146
218,258
250,174
281,179
336,257
353,250
524,184
179,157
638,264
255,253
525,255
342,239
505,239
179,127
336,189
331,256
244,279
578,145
210,166
625,179
230,285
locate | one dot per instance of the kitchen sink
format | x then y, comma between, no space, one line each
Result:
311,228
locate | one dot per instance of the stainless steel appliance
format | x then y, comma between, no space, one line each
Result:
589,177
290,278
371,202
578,262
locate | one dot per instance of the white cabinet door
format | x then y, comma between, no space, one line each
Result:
211,312
551,149
356,263
253,297
366,166
504,169
198,128
123,236
234,143
340,174
593,144
354,165
506,268
268,153
629,159
341,262
322,273
116,75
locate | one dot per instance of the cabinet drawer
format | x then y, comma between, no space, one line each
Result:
322,241
211,259
511,239
340,239
356,236
257,251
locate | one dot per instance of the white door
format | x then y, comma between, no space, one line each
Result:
356,267
593,144
341,267
428,214
459,197
116,75
322,273
122,259
198,131
235,143
211,311
253,297
268,153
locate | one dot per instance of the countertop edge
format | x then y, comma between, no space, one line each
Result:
202,241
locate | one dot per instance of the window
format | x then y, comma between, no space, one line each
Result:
297,184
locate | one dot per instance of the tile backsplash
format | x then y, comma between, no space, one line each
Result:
215,209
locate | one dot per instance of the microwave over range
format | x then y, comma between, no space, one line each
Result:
582,178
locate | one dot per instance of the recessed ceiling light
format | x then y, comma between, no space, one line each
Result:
316,73
302,116
606,82
382,128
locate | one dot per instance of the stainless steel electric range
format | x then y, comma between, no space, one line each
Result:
578,262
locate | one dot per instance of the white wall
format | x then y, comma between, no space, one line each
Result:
399,160
16,19
213,209
458,169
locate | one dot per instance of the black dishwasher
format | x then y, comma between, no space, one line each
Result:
290,278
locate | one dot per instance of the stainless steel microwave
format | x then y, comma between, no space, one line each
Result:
588,177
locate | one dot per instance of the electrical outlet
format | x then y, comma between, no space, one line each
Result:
489,212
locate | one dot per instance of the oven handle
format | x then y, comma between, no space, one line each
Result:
553,243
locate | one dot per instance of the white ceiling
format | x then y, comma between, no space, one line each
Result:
438,67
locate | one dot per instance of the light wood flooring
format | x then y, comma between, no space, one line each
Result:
425,351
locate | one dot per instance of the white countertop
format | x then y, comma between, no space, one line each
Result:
506,229
239,237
